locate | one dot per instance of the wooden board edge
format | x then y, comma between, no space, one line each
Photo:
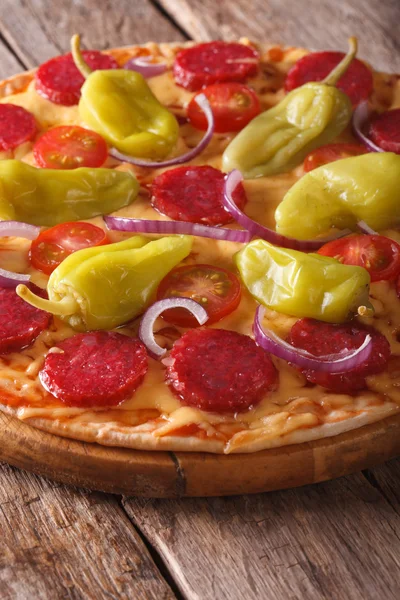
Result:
171,475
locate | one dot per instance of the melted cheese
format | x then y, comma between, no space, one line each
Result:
153,408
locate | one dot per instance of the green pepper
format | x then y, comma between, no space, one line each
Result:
119,105
280,138
341,193
303,285
51,196
106,286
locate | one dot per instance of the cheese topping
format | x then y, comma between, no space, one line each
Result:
294,405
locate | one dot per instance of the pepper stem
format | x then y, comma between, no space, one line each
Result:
344,64
365,311
66,306
79,61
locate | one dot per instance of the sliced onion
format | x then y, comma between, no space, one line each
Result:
18,229
233,179
176,227
144,66
146,333
206,108
9,279
330,363
365,228
360,122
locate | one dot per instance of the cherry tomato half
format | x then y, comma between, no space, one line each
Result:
50,248
331,152
70,147
216,289
233,106
379,255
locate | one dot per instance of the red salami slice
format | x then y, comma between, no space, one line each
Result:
214,62
59,81
324,338
385,131
100,368
17,126
194,194
357,82
20,323
219,370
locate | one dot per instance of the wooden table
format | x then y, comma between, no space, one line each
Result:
333,540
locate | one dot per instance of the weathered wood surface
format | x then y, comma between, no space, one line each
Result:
334,540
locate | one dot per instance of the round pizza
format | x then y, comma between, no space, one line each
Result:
199,245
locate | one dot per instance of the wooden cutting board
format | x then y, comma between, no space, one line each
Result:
177,474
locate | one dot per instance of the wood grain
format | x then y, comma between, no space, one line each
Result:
320,24
167,474
51,25
58,542
328,541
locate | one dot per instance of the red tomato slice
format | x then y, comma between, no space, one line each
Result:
70,147
50,248
233,106
216,289
330,153
379,255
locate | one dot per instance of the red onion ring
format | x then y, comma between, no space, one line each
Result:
144,66
359,123
365,228
206,108
176,227
9,279
330,363
256,230
146,333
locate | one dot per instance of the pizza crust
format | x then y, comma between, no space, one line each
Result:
147,436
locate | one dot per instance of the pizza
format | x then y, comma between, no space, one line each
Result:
213,359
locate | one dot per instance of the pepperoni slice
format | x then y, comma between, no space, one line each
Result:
357,82
214,62
324,338
99,368
59,81
385,131
20,323
194,194
219,370
17,126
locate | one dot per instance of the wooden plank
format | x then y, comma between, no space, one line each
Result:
40,29
58,543
9,63
320,24
328,541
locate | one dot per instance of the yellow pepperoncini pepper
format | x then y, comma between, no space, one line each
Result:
303,285
106,286
280,138
51,196
339,194
119,105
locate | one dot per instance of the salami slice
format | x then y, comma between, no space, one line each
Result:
59,81
20,323
194,194
17,126
95,369
219,370
385,130
214,62
357,82
320,339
